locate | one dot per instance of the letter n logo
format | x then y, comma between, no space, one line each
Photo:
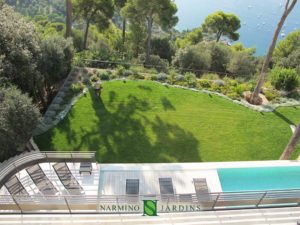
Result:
150,208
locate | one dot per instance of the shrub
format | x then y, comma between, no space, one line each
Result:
94,78
127,73
104,75
86,81
233,95
284,79
162,77
271,94
172,77
153,77
210,76
161,65
242,64
179,78
76,88
190,79
204,83
120,71
219,83
136,76
241,88
195,57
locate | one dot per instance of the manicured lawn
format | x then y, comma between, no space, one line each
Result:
142,121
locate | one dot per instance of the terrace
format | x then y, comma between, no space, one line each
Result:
58,186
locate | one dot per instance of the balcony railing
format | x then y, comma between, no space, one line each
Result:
134,203
18,163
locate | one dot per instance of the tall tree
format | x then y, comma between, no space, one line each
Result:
160,12
288,151
69,9
221,24
18,119
255,99
98,11
120,4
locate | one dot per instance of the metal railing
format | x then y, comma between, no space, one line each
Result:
18,163
134,203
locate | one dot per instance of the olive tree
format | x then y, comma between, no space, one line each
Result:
18,119
19,52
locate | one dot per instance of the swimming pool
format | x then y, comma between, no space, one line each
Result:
259,178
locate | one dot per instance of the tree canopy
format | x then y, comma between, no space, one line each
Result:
160,12
220,24
98,11
18,118
191,38
20,51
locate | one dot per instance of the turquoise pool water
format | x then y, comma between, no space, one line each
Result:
259,178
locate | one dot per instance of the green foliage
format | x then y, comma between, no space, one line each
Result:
142,14
287,52
20,52
220,55
56,59
76,88
242,64
163,48
161,65
191,38
204,84
162,77
104,75
136,37
98,11
239,47
210,76
195,57
94,78
271,95
285,47
220,24
38,7
120,71
292,61
18,118
284,79
190,79
172,77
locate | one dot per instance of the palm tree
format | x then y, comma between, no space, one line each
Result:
287,153
255,95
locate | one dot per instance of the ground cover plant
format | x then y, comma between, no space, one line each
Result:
144,121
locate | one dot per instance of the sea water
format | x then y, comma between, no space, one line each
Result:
258,18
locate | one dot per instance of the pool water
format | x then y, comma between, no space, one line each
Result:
259,178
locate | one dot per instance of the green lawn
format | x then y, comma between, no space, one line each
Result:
142,121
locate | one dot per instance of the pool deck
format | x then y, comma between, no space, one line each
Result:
113,176
110,179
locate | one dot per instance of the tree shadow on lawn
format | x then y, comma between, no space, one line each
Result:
124,134
167,104
283,117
